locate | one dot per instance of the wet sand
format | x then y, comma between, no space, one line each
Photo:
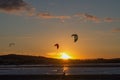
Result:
59,77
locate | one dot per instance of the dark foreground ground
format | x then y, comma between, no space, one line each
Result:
60,77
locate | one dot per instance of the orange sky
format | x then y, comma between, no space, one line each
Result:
36,25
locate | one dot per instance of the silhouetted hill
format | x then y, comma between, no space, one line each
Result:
13,59
24,59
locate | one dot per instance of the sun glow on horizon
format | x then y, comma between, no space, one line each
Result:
65,56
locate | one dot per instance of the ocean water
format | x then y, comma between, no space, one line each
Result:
48,72
52,70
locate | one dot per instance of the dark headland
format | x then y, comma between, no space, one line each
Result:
13,59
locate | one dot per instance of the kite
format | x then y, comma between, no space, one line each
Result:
57,45
11,44
75,37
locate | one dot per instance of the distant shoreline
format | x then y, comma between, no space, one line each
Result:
67,65
13,59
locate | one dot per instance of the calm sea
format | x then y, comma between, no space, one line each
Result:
52,70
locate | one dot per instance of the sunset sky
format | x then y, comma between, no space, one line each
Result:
36,25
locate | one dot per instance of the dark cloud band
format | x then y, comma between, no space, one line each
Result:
13,6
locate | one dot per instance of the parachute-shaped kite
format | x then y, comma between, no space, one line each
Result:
57,45
11,44
75,37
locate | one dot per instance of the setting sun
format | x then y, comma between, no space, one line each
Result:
65,56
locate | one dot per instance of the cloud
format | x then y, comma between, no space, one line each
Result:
116,30
88,17
46,15
108,19
83,16
22,7
91,17
14,6
52,54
